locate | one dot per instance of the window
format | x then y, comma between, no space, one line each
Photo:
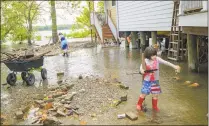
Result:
113,3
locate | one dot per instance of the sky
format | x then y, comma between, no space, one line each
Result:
63,16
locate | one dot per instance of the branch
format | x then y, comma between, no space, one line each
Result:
36,10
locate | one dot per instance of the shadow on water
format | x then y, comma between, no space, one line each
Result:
178,103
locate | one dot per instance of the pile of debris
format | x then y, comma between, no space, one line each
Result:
27,56
83,100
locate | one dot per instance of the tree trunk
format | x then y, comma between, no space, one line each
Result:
54,22
29,32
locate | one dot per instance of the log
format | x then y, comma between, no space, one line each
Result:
37,57
8,54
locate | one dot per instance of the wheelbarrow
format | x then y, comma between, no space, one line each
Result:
24,67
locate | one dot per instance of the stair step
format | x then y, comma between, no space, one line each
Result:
108,36
106,30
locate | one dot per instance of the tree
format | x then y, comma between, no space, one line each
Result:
100,6
69,6
54,22
83,20
19,15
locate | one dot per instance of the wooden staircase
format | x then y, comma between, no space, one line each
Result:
106,33
174,50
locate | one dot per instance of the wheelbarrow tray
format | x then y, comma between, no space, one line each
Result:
20,66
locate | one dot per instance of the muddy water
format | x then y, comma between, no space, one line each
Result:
179,104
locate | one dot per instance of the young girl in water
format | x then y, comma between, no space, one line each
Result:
64,44
151,80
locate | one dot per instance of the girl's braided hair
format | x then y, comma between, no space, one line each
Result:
150,51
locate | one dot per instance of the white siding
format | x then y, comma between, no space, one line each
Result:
145,15
198,20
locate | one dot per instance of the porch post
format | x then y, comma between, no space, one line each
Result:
192,52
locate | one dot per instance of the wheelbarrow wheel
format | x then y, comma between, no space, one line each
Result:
11,79
23,75
43,73
30,80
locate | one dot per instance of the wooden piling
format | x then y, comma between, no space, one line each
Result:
134,39
192,52
154,37
142,37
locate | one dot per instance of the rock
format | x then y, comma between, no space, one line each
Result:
80,77
61,113
75,107
70,112
131,115
53,88
63,101
40,97
51,120
187,82
49,100
60,74
35,120
123,86
25,108
59,81
74,93
194,85
67,106
115,80
58,95
63,88
69,97
93,115
176,78
123,98
19,114
39,102
69,86
53,113
82,90
52,109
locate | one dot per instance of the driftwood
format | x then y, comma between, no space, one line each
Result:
28,57
37,57
8,54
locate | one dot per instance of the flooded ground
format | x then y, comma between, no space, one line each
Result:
179,104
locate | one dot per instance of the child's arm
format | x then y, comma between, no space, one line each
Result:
141,69
168,63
